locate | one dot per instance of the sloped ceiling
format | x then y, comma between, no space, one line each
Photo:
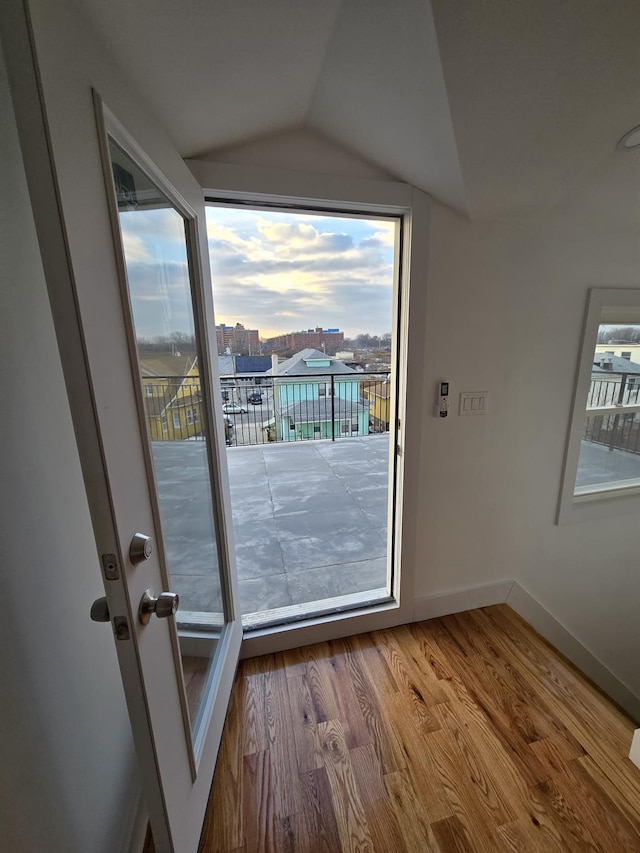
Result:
501,108
540,92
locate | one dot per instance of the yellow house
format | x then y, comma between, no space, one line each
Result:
172,396
378,395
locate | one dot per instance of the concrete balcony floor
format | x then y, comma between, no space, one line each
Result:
310,520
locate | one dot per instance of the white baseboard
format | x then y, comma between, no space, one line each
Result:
516,596
138,833
634,754
458,600
552,630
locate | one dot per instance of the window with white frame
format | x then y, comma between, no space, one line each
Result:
176,420
603,453
192,416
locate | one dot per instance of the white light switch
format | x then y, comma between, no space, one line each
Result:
474,402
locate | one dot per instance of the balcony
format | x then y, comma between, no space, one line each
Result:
610,448
309,492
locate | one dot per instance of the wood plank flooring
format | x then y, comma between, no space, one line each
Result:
467,733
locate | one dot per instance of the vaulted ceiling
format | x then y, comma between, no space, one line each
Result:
501,108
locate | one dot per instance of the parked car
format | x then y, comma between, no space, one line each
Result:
255,398
233,409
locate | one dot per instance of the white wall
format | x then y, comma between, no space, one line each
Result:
504,312
515,295
67,770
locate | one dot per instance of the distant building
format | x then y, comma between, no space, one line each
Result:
235,369
328,341
315,396
172,397
237,340
621,349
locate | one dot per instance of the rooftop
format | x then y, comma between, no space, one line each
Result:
298,365
310,518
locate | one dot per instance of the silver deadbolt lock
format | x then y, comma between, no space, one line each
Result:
141,548
166,604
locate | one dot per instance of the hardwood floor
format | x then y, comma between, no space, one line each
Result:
467,733
194,672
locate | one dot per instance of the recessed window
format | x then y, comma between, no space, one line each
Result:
603,454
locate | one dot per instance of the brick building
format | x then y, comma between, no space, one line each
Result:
238,340
325,340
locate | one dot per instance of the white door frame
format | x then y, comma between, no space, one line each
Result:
257,185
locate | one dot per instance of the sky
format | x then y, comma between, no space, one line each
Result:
278,271
271,270
157,271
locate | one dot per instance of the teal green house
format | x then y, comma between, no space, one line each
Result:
316,396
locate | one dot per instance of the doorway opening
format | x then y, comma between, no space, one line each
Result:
306,330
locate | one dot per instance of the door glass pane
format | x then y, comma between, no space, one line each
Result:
306,334
154,240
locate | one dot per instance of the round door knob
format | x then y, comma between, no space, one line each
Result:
166,604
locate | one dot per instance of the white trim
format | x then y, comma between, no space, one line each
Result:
298,613
321,629
511,592
465,598
257,186
634,752
603,305
611,490
546,624
139,824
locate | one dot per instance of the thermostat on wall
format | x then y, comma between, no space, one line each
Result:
442,404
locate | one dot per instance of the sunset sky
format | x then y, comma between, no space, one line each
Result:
282,272
273,271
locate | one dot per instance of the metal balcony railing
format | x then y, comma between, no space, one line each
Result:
613,412
263,409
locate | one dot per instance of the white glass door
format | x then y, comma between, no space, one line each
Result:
124,255
180,589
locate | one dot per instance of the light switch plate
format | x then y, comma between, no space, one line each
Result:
474,402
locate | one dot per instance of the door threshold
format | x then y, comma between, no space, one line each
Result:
314,610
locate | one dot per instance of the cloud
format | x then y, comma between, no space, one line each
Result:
134,248
278,272
160,298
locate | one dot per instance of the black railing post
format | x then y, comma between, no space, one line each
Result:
333,419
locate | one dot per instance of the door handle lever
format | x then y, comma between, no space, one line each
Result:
100,610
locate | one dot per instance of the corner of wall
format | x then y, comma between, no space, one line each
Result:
546,624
